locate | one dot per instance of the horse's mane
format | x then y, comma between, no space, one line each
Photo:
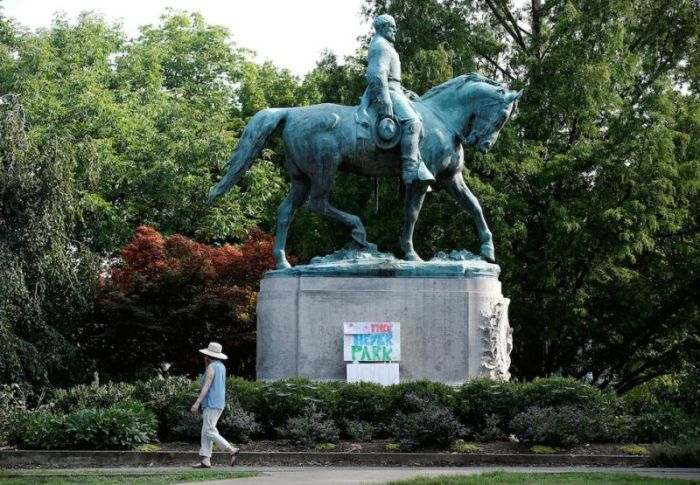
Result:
458,82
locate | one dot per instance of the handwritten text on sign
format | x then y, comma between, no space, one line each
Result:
371,341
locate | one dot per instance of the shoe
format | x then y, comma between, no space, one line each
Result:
424,174
411,170
201,465
234,456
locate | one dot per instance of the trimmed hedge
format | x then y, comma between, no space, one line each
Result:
553,411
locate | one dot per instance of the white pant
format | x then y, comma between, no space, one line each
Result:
209,432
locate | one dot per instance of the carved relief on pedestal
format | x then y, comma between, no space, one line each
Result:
497,338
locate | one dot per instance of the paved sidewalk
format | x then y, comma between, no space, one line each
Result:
376,475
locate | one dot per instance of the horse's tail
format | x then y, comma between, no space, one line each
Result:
255,135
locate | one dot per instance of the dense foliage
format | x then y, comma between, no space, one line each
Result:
111,428
414,415
592,191
98,135
168,297
48,280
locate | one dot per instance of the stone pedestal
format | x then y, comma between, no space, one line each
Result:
454,323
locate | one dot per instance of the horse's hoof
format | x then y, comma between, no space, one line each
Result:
488,253
412,256
282,262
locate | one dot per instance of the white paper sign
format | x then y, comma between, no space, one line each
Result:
381,373
372,341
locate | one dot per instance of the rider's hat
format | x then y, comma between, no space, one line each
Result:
386,132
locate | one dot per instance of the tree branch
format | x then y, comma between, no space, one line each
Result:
491,60
516,27
506,25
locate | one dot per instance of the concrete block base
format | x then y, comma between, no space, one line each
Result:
452,329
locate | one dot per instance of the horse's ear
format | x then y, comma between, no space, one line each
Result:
513,96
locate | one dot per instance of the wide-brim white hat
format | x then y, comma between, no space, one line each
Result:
214,350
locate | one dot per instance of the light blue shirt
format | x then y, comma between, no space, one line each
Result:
216,396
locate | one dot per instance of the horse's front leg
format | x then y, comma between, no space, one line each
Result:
456,186
415,195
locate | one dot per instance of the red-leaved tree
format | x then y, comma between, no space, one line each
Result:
168,297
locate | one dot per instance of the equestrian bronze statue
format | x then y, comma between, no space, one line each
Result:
393,132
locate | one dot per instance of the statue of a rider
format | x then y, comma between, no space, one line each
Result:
391,100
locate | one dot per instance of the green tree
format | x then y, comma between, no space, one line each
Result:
154,120
48,280
592,190
112,133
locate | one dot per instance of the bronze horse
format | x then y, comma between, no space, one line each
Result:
319,140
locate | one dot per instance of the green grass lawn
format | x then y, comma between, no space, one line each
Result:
499,478
108,477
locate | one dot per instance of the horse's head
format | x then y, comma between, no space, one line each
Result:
490,113
475,105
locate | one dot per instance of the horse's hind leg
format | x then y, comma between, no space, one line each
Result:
456,186
415,195
296,197
318,202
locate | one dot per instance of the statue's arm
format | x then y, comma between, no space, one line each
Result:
378,80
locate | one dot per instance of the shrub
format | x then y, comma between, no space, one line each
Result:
634,450
123,427
486,407
461,447
116,428
160,395
424,424
359,430
286,399
562,425
666,409
364,401
148,448
542,450
681,391
249,394
564,391
178,422
310,429
35,430
158,392
491,431
686,455
666,423
435,392
186,426
91,396
325,447
238,425
12,398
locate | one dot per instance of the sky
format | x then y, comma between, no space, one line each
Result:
291,34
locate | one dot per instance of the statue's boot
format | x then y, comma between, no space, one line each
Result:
412,167
412,170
